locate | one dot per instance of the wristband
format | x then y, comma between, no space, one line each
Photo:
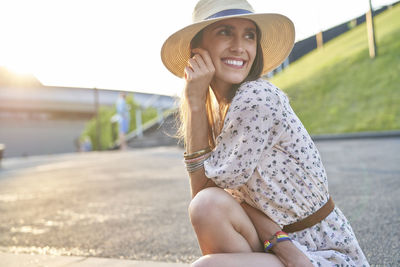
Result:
267,245
280,236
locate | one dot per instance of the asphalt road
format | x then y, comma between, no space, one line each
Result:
133,204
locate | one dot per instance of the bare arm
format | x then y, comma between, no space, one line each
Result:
287,252
197,140
198,75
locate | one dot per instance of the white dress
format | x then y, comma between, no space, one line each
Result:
265,157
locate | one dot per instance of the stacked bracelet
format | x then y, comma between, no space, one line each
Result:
196,160
197,153
205,156
280,236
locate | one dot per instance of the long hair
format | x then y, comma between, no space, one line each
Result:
216,112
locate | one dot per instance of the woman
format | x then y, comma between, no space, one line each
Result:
254,170
124,118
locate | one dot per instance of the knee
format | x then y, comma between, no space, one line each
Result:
209,205
204,261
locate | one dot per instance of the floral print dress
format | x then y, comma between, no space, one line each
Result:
265,157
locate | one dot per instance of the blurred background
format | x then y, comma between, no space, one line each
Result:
64,63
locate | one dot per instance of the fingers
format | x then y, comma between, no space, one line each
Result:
196,63
188,73
200,65
199,73
204,59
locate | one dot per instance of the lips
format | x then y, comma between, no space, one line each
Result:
237,63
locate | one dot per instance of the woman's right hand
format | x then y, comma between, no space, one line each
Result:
198,75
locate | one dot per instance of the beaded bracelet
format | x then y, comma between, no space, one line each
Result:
280,236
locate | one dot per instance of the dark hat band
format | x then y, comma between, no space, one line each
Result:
229,12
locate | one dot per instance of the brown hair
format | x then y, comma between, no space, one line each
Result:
216,112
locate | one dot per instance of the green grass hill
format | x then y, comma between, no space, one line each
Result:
339,89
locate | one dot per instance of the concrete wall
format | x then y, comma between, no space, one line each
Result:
39,137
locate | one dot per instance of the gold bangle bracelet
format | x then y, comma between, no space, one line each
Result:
197,153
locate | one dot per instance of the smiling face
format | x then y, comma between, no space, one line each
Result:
232,45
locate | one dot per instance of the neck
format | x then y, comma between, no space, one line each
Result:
223,91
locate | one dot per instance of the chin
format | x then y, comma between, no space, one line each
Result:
236,79
232,77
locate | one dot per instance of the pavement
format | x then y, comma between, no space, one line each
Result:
129,208
19,260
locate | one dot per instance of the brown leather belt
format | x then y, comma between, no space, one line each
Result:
311,220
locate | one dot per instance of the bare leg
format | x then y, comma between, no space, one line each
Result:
221,224
224,231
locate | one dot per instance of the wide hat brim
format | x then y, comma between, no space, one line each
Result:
277,40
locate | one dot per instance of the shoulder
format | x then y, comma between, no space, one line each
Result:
258,92
259,87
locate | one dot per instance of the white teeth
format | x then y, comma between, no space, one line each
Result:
234,62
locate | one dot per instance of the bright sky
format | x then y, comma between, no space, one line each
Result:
115,44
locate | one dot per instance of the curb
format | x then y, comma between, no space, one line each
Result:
360,135
27,260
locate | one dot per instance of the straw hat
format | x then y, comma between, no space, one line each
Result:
277,33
